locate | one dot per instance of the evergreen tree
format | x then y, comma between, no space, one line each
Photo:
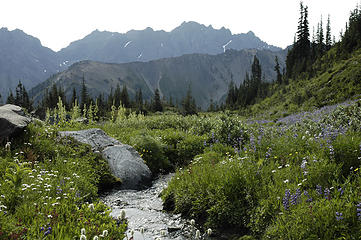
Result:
351,39
84,94
328,34
189,103
320,39
10,99
139,101
278,71
211,107
73,97
117,96
124,97
102,105
256,79
110,99
22,98
231,96
157,104
298,58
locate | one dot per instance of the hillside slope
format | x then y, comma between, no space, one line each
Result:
208,75
23,58
340,81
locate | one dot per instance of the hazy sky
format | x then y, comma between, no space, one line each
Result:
58,22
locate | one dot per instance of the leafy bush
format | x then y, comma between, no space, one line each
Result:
152,151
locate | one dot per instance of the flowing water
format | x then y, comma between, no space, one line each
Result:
143,209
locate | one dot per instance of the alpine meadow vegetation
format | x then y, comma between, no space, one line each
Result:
277,160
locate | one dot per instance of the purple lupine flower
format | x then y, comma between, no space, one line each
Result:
286,199
293,199
309,199
268,153
47,232
303,164
339,216
319,189
205,143
41,229
296,198
341,191
358,210
252,143
327,194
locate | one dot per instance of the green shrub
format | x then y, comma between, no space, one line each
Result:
189,147
346,151
152,150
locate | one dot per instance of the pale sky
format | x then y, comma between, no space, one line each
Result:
58,22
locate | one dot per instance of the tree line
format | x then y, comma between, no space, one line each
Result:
303,60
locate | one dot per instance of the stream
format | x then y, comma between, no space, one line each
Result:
143,209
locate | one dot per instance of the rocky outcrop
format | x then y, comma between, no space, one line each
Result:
94,137
126,164
12,121
124,161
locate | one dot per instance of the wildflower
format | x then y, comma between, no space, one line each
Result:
319,189
339,216
209,231
198,234
295,198
91,207
122,215
303,164
309,199
286,199
340,190
105,233
7,146
47,232
193,222
273,171
332,151
82,231
327,194
82,237
358,210
286,181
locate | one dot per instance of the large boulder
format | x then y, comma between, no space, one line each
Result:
124,161
94,137
12,121
126,164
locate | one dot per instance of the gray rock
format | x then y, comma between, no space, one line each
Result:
124,161
126,164
12,121
94,137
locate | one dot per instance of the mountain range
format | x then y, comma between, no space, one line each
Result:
207,75
24,58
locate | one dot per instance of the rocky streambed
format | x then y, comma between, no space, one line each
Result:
143,210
